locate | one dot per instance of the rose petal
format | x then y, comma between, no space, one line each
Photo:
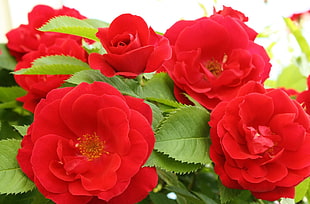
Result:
44,152
138,188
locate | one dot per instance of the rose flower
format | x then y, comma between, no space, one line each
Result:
213,57
37,86
87,144
260,142
132,48
27,38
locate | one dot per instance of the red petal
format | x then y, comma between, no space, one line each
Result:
141,184
44,152
276,194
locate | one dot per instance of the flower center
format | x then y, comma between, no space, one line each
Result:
214,66
122,40
91,146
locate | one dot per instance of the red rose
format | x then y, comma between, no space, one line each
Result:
37,86
260,142
304,97
87,144
213,57
132,48
27,38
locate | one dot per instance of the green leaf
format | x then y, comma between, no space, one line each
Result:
204,198
30,197
159,86
96,23
183,135
166,104
160,160
73,26
7,131
228,194
11,93
160,198
156,115
22,130
55,64
6,60
13,180
291,78
7,78
301,40
184,193
301,190
125,86
96,47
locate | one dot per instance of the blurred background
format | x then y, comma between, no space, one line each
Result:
265,16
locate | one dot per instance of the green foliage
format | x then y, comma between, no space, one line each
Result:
65,24
125,86
13,180
290,78
302,42
164,162
156,115
11,93
6,60
55,64
7,131
184,133
302,189
30,197
160,86
22,129
7,78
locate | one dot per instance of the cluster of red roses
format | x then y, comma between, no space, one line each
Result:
88,144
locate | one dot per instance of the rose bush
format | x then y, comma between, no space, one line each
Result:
256,140
27,38
132,48
214,56
87,144
37,86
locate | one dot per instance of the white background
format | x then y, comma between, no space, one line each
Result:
161,14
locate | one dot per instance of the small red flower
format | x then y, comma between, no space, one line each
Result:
260,142
87,144
27,38
213,57
132,48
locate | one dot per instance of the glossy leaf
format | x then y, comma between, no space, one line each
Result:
55,64
160,160
125,86
159,86
73,26
22,129
183,135
13,180
11,93
301,190
6,60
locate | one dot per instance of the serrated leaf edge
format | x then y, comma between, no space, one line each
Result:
177,172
